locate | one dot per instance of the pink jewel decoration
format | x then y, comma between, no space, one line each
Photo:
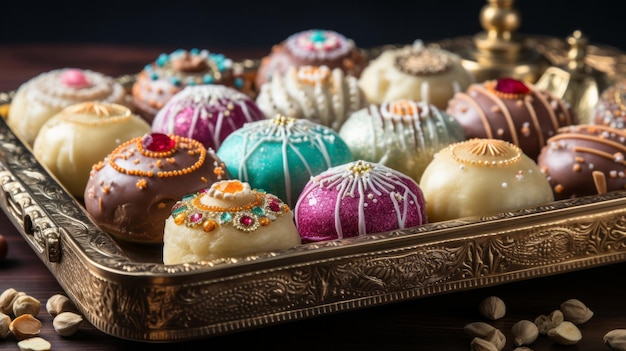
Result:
195,218
158,142
246,220
511,86
74,78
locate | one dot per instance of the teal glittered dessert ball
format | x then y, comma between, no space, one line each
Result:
280,155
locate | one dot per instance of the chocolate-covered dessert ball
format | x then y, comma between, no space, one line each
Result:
511,110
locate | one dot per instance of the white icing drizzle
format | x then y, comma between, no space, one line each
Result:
327,97
371,183
48,90
289,133
206,101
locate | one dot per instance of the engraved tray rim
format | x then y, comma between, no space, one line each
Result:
143,301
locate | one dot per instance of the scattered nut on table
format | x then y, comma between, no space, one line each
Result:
5,321
547,322
496,337
26,304
479,344
34,344
25,326
60,303
492,307
524,332
7,298
576,311
478,329
67,323
566,333
616,339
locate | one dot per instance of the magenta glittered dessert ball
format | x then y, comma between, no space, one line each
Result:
207,113
511,110
130,193
355,199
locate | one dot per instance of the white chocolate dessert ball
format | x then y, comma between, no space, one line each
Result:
401,134
79,136
229,219
482,177
40,98
414,72
318,93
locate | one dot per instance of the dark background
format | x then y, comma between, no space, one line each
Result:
259,24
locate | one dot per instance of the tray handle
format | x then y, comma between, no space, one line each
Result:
30,216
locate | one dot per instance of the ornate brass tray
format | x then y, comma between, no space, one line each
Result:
128,293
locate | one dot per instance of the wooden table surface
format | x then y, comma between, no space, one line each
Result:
428,323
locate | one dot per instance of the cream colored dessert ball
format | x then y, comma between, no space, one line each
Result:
414,72
229,219
482,177
79,136
41,97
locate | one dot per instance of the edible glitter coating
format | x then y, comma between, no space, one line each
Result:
279,155
229,219
207,113
80,135
524,119
482,177
356,199
611,109
579,156
402,134
43,96
318,93
130,193
314,47
414,72
170,73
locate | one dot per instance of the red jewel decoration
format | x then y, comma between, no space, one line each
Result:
511,86
246,221
274,206
158,142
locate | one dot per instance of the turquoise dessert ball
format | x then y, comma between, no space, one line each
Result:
280,155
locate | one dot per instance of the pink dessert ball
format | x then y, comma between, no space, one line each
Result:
356,199
206,113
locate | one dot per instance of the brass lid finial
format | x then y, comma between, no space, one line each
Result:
499,51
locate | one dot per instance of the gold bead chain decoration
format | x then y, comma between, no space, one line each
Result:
109,113
423,61
194,146
485,152
212,208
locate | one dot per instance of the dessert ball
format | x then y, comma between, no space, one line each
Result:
131,192
207,113
280,154
314,47
318,93
170,73
228,219
482,177
610,109
402,134
414,72
511,110
79,136
41,97
585,160
356,199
